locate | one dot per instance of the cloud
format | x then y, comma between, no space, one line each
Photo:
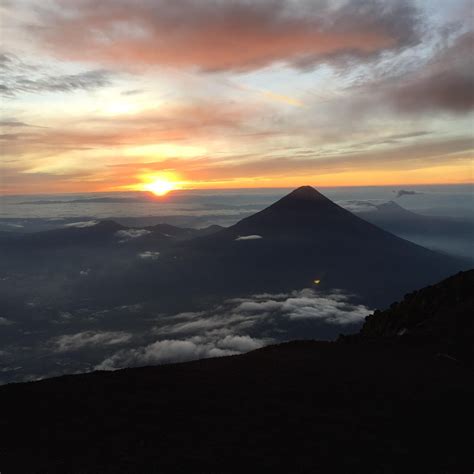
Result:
240,343
5,321
240,325
249,237
74,342
333,308
257,306
218,35
130,234
283,165
446,83
121,200
13,124
149,255
82,224
358,206
174,122
17,226
216,319
404,192
162,352
19,77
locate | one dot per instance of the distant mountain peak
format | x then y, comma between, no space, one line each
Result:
304,212
306,193
392,205
394,210
304,198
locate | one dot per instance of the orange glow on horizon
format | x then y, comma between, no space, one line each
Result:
158,184
161,183
159,187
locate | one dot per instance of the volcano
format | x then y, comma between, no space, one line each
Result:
305,239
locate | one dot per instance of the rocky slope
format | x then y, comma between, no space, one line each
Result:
441,314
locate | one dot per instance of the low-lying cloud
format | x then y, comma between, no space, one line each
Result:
165,351
357,206
149,255
82,224
334,308
131,234
403,192
74,342
249,237
240,325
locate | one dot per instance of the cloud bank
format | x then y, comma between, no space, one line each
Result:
226,35
131,234
404,192
19,77
444,84
82,224
242,324
74,342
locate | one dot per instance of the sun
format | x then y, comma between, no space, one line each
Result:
160,187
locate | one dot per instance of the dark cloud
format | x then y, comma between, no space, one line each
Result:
446,83
5,321
393,139
404,192
132,92
20,77
12,123
217,35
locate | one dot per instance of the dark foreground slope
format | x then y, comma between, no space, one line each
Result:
441,315
375,404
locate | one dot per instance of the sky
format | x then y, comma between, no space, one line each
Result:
114,95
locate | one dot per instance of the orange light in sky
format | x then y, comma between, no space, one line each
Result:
158,184
160,187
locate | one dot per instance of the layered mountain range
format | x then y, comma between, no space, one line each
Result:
302,238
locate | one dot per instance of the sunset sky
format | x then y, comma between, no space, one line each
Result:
111,95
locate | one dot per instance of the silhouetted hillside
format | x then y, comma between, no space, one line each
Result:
371,404
442,314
